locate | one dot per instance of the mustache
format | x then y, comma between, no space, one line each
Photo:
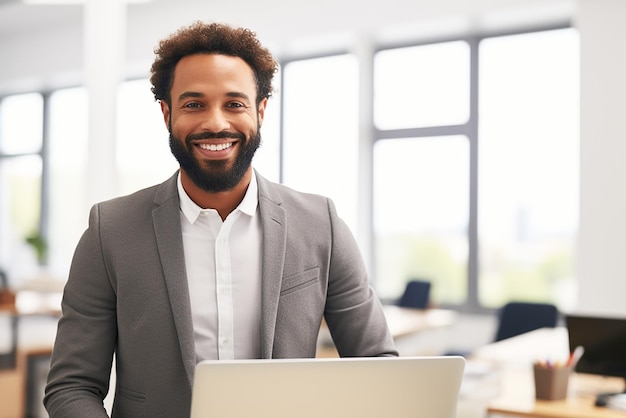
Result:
215,135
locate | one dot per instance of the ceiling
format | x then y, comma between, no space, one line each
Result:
286,19
42,46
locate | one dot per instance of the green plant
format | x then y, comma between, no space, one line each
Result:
38,242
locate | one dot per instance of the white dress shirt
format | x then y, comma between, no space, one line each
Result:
223,261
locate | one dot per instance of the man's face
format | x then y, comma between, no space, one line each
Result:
213,119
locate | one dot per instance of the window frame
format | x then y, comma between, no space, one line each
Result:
370,135
43,153
470,130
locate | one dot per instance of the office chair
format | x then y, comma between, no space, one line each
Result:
516,318
416,295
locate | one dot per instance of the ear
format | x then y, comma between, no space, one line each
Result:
165,109
261,110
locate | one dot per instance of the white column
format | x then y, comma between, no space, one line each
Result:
104,41
601,255
364,52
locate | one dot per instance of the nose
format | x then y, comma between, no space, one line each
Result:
215,120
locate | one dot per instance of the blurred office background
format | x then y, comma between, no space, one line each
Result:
476,144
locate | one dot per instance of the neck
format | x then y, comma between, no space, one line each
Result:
223,202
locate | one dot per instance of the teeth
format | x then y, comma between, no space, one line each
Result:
216,147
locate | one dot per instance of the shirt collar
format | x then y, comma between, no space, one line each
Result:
247,206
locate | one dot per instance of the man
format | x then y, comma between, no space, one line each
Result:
215,263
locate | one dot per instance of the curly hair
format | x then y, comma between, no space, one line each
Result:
212,38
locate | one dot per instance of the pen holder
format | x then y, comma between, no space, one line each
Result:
551,382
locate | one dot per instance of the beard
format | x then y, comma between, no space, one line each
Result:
214,176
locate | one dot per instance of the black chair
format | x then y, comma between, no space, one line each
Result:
516,318
416,295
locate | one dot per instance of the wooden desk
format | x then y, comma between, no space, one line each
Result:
14,383
33,302
401,322
15,387
516,392
407,321
524,349
517,397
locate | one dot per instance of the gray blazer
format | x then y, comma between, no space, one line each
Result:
127,295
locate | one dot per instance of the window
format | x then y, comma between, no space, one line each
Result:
528,167
320,135
21,124
267,157
474,162
476,172
142,147
67,181
21,139
421,214
421,180
422,86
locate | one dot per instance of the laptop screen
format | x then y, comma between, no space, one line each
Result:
371,387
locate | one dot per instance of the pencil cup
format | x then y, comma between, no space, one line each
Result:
551,382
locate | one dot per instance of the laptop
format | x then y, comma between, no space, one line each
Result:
363,387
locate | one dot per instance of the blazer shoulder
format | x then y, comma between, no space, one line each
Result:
140,203
289,198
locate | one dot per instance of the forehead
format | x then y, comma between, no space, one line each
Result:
202,71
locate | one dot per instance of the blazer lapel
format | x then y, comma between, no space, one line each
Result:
169,240
274,241
168,233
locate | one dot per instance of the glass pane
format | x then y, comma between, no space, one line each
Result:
267,157
528,167
421,213
321,140
21,124
68,166
143,152
20,194
422,86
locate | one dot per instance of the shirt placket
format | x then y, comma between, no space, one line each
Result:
224,291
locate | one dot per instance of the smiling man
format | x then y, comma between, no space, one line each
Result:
216,262
214,122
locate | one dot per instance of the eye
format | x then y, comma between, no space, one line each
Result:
235,105
192,105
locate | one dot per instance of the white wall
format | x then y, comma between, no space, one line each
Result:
41,60
602,238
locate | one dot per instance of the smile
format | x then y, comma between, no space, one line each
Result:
216,147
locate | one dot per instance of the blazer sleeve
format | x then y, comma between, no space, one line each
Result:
353,311
78,380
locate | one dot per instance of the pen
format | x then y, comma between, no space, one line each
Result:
575,355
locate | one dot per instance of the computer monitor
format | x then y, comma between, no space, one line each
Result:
604,341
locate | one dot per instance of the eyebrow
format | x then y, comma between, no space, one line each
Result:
238,95
194,94
189,94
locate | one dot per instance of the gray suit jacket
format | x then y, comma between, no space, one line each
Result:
127,294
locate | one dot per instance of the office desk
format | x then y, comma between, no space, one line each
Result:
513,360
401,322
18,383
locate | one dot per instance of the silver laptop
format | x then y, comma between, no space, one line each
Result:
372,387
